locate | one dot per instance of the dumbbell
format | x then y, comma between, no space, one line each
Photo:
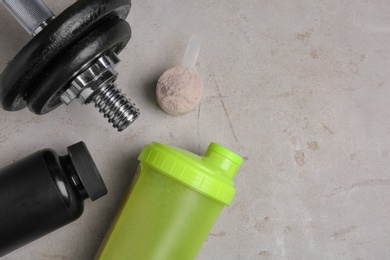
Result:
71,56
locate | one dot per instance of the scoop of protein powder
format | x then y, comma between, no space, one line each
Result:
179,90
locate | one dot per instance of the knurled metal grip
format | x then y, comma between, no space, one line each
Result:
33,15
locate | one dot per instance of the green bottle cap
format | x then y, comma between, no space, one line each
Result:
211,174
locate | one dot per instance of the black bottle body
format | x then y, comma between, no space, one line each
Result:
35,199
38,194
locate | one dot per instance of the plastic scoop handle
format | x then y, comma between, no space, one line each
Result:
192,51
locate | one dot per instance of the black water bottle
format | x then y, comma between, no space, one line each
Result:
43,192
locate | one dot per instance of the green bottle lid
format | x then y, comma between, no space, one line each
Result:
211,174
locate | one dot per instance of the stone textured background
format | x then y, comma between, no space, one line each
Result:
299,88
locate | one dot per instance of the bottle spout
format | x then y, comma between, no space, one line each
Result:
228,161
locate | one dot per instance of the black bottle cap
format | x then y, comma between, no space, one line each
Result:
87,171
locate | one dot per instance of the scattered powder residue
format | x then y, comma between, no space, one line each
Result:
313,145
179,90
299,158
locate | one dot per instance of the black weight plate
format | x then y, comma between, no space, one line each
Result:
64,30
112,35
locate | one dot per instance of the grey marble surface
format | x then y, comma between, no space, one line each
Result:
298,88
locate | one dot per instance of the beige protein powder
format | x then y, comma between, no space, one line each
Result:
179,90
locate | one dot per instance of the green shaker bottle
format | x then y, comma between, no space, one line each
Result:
175,199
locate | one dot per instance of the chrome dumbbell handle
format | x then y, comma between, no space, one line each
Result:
33,15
